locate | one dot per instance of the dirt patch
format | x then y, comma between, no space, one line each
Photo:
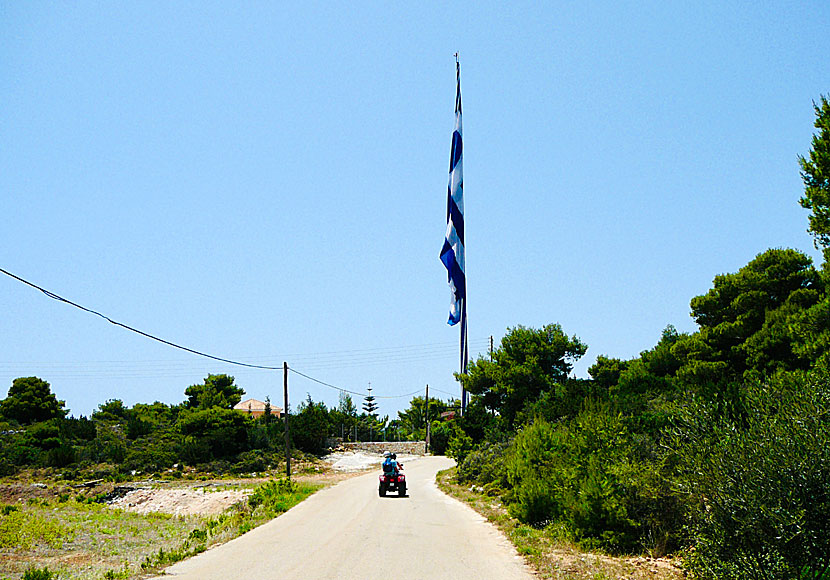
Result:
208,498
15,492
179,502
178,498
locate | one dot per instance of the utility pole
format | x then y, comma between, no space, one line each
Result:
491,348
287,435
426,420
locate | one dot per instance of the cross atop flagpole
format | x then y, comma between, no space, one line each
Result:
452,253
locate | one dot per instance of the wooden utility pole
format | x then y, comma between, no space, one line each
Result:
287,435
426,420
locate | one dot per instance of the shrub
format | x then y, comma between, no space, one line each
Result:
278,496
80,428
61,456
250,461
37,574
485,465
591,476
213,432
760,480
45,435
460,445
442,433
114,451
309,427
150,455
138,427
17,449
536,496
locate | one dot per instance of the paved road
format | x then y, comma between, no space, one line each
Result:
347,532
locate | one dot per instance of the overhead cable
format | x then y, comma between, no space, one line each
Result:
59,298
54,296
319,382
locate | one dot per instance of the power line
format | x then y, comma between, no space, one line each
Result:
54,296
318,381
372,352
440,391
306,360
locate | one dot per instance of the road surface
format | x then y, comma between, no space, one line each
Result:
347,532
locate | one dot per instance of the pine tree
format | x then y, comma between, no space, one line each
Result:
815,171
369,404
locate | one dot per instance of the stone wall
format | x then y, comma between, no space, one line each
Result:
402,447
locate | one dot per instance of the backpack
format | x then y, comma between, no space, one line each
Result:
389,465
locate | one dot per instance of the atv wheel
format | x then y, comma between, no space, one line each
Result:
402,491
382,490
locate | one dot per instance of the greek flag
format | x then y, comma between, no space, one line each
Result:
452,254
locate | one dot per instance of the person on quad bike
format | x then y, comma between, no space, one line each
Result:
390,465
392,480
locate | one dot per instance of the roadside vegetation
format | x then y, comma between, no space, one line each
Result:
550,552
202,435
77,537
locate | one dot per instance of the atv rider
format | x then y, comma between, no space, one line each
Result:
390,464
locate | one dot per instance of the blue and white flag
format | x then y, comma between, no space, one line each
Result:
452,254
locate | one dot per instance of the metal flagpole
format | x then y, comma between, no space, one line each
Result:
463,346
463,353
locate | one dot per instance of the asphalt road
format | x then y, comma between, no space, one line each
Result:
347,532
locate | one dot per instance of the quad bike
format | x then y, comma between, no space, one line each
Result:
392,482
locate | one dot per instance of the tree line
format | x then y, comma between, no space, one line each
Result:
204,432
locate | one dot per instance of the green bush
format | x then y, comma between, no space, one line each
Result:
38,574
138,427
61,456
7,509
278,496
562,401
152,454
309,427
45,435
594,478
250,461
760,481
460,445
17,450
213,433
485,465
442,433
114,451
80,429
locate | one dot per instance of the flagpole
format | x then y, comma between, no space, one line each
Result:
463,354
463,329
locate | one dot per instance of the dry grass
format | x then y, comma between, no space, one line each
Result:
554,558
78,540
82,540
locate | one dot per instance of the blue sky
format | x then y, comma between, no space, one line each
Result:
266,182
